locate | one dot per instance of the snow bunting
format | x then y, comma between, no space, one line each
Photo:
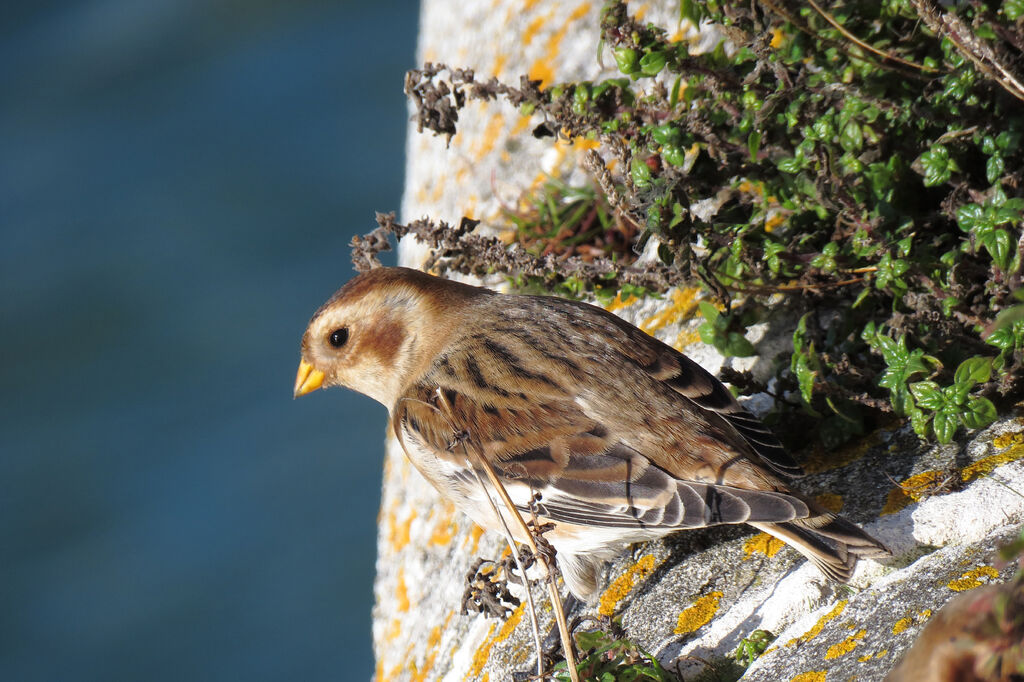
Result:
592,425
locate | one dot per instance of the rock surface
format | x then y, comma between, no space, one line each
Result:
692,598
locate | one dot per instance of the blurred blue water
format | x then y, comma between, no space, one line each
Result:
179,181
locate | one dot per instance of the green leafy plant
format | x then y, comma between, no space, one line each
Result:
752,647
863,160
611,659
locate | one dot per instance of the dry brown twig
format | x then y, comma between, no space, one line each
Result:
949,25
542,557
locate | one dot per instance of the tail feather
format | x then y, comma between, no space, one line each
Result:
830,542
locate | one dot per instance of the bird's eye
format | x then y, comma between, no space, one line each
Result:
338,337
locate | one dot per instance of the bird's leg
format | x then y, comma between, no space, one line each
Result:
485,592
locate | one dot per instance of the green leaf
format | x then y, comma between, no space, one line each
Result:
851,138
919,420
667,134
928,394
709,311
969,216
978,413
999,243
640,173
652,63
1001,338
976,370
753,144
791,165
945,425
937,165
627,60
737,345
994,168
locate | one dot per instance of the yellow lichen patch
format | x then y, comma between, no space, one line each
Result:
698,615
400,531
901,625
618,304
621,586
474,537
684,304
762,543
1008,439
492,131
522,124
394,630
443,516
534,27
812,676
830,501
543,69
402,593
822,459
972,579
819,626
987,464
685,338
484,652
433,639
498,69
846,646
912,489
481,655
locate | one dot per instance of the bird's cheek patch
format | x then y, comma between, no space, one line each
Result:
386,341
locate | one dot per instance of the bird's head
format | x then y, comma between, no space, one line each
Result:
374,333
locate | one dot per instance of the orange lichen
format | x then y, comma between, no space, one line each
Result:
812,676
987,464
401,592
912,489
762,543
483,653
820,625
1008,439
972,579
474,537
698,615
822,459
444,527
492,131
846,646
830,501
622,585
685,338
433,639
618,304
901,625
777,36
534,27
394,630
543,69
400,531
684,304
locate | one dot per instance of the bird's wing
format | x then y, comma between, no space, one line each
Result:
693,382
558,462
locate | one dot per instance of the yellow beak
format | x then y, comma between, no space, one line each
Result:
308,379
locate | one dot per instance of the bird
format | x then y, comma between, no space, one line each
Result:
600,432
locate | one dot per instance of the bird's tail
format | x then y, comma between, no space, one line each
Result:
830,542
